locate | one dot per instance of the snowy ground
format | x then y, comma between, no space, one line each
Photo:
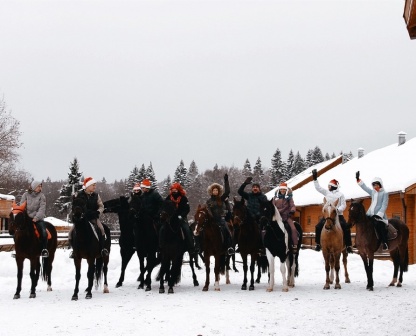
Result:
306,309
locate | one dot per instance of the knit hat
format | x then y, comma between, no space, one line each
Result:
88,181
377,180
146,184
334,183
283,185
255,184
136,187
35,184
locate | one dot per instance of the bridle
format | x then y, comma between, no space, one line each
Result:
329,219
199,227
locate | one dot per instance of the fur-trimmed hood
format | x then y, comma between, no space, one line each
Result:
218,186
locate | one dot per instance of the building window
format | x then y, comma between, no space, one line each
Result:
397,215
308,220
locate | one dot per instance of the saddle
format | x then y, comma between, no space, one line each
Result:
37,234
391,232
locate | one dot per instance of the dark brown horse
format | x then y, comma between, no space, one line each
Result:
212,245
28,246
86,246
333,245
247,238
367,243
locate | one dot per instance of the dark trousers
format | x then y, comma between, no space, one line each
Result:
345,229
381,229
41,226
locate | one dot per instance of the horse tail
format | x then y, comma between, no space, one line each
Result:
406,260
296,265
263,263
45,269
99,262
222,264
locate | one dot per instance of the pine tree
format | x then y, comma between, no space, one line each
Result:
63,203
150,174
277,169
308,160
192,172
327,157
166,185
131,180
247,169
181,175
258,173
288,173
141,174
298,165
317,156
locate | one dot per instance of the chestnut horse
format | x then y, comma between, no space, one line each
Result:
367,243
332,243
247,238
28,246
86,246
212,245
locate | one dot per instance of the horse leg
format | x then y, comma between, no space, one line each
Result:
245,268
327,270
162,273
191,264
290,271
258,274
217,273
49,274
151,263
344,262
285,287
234,266
140,279
19,263
90,276
34,276
252,268
105,270
227,272
337,267
77,263
396,263
207,270
404,262
270,259
332,270
368,266
125,259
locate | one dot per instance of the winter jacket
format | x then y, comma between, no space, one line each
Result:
151,203
182,208
253,201
218,204
332,196
285,204
94,204
35,204
379,200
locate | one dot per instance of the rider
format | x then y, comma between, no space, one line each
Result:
217,205
95,208
178,196
332,194
151,202
283,201
377,209
35,207
254,199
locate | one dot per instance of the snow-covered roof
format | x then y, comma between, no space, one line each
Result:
7,197
394,164
57,222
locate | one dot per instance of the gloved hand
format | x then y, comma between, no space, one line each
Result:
248,180
314,174
226,177
179,217
357,176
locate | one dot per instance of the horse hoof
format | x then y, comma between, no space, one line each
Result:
119,284
105,290
235,270
32,295
148,288
49,289
257,280
243,287
326,287
88,296
399,284
285,289
161,290
347,280
217,289
205,289
74,298
369,288
170,291
251,288
16,296
228,282
269,290
337,286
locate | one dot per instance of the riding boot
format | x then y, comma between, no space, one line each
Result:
188,237
104,251
318,231
40,225
385,245
197,244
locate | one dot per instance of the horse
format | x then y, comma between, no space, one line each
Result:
368,243
28,246
275,242
247,238
173,249
332,243
127,217
293,258
212,245
86,246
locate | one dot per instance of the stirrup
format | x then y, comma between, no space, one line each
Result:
385,247
45,253
349,249
71,255
230,251
104,252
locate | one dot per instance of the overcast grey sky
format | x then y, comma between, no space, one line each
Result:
121,83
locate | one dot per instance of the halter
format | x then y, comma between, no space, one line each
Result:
330,219
240,221
200,227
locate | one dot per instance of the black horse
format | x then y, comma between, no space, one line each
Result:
127,217
28,246
85,243
173,248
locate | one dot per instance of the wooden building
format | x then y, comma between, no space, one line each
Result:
393,164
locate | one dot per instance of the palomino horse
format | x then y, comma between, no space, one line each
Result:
247,238
173,249
86,246
212,245
332,243
127,214
275,242
28,246
367,243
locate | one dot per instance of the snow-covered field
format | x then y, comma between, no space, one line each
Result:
306,309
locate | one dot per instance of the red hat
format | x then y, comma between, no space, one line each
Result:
136,187
334,183
178,187
146,184
283,185
88,181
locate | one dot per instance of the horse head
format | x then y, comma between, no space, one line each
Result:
19,218
202,217
79,208
167,211
268,213
356,212
239,211
329,211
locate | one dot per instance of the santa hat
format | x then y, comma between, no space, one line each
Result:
136,187
283,185
88,181
145,184
334,183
